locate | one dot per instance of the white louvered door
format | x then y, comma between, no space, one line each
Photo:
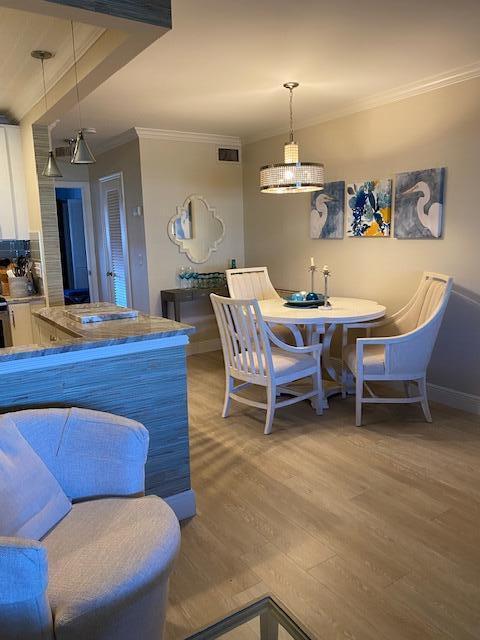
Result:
117,271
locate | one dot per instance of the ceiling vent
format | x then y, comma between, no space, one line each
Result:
228,155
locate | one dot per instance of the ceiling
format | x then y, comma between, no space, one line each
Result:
21,84
221,68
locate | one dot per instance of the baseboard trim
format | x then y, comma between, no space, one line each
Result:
456,399
204,346
184,504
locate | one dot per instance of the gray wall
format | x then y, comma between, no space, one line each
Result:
171,171
440,128
126,159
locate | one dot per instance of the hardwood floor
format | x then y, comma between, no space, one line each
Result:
363,533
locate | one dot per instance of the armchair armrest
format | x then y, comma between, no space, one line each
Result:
23,570
24,608
91,453
287,347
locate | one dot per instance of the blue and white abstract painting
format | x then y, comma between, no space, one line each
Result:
327,211
419,197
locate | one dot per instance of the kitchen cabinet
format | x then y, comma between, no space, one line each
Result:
13,195
22,322
44,332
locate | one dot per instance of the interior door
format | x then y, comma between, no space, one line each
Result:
77,243
116,241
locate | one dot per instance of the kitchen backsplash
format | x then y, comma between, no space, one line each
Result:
14,248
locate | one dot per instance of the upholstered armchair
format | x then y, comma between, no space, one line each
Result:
399,348
101,572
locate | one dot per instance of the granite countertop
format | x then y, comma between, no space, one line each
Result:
36,298
95,334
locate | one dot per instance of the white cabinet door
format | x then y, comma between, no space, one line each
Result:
13,196
21,324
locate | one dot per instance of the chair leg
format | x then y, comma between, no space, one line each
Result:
271,397
228,400
358,401
318,400
422,386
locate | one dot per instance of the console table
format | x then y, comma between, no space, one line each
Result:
177,296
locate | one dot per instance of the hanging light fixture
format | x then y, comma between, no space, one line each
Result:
51,169
82,153
291,176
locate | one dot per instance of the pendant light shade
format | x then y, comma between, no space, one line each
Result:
292,176
51,169
82,153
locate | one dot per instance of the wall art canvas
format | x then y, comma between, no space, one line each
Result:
419,197
369,206
327,211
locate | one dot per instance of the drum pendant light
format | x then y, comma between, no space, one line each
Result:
81,151
51,169
291,176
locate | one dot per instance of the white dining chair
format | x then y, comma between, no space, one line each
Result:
399,347
254,282
253,355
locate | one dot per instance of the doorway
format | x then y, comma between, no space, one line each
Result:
74,232
112,198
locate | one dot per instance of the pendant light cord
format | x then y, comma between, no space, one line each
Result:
291,114
76,75
44,84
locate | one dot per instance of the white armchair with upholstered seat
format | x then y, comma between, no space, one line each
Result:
399,348
83,553
254,282
254,355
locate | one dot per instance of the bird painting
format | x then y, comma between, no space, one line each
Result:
419,199
327,212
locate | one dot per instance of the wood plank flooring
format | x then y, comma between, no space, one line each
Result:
363,534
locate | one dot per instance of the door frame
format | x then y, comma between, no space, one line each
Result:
124,230
89,232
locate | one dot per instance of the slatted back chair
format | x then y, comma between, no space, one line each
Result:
250,282
254,282
255,356
400,347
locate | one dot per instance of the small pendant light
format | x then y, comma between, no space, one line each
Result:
51,169
82,153
291,176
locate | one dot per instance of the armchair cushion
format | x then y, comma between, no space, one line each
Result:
31,499
91,453
284,362
373,359
104,553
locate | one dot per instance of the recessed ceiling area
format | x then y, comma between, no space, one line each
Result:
21,84
221,68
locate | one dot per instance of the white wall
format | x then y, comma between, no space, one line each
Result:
125,159
440,128
171,171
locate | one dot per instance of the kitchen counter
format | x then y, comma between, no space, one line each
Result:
36,299
133,367
78,336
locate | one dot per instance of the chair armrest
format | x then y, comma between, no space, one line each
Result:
23,570
25,611
91,453
288,347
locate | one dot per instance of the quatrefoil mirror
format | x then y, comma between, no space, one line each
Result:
196,229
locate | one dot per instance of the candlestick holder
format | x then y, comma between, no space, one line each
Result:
312,268
326,275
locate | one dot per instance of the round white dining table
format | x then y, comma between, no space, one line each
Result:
323,321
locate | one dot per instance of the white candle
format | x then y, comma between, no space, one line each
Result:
312,262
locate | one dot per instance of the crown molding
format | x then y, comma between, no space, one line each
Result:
169,135
187,136
432,83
